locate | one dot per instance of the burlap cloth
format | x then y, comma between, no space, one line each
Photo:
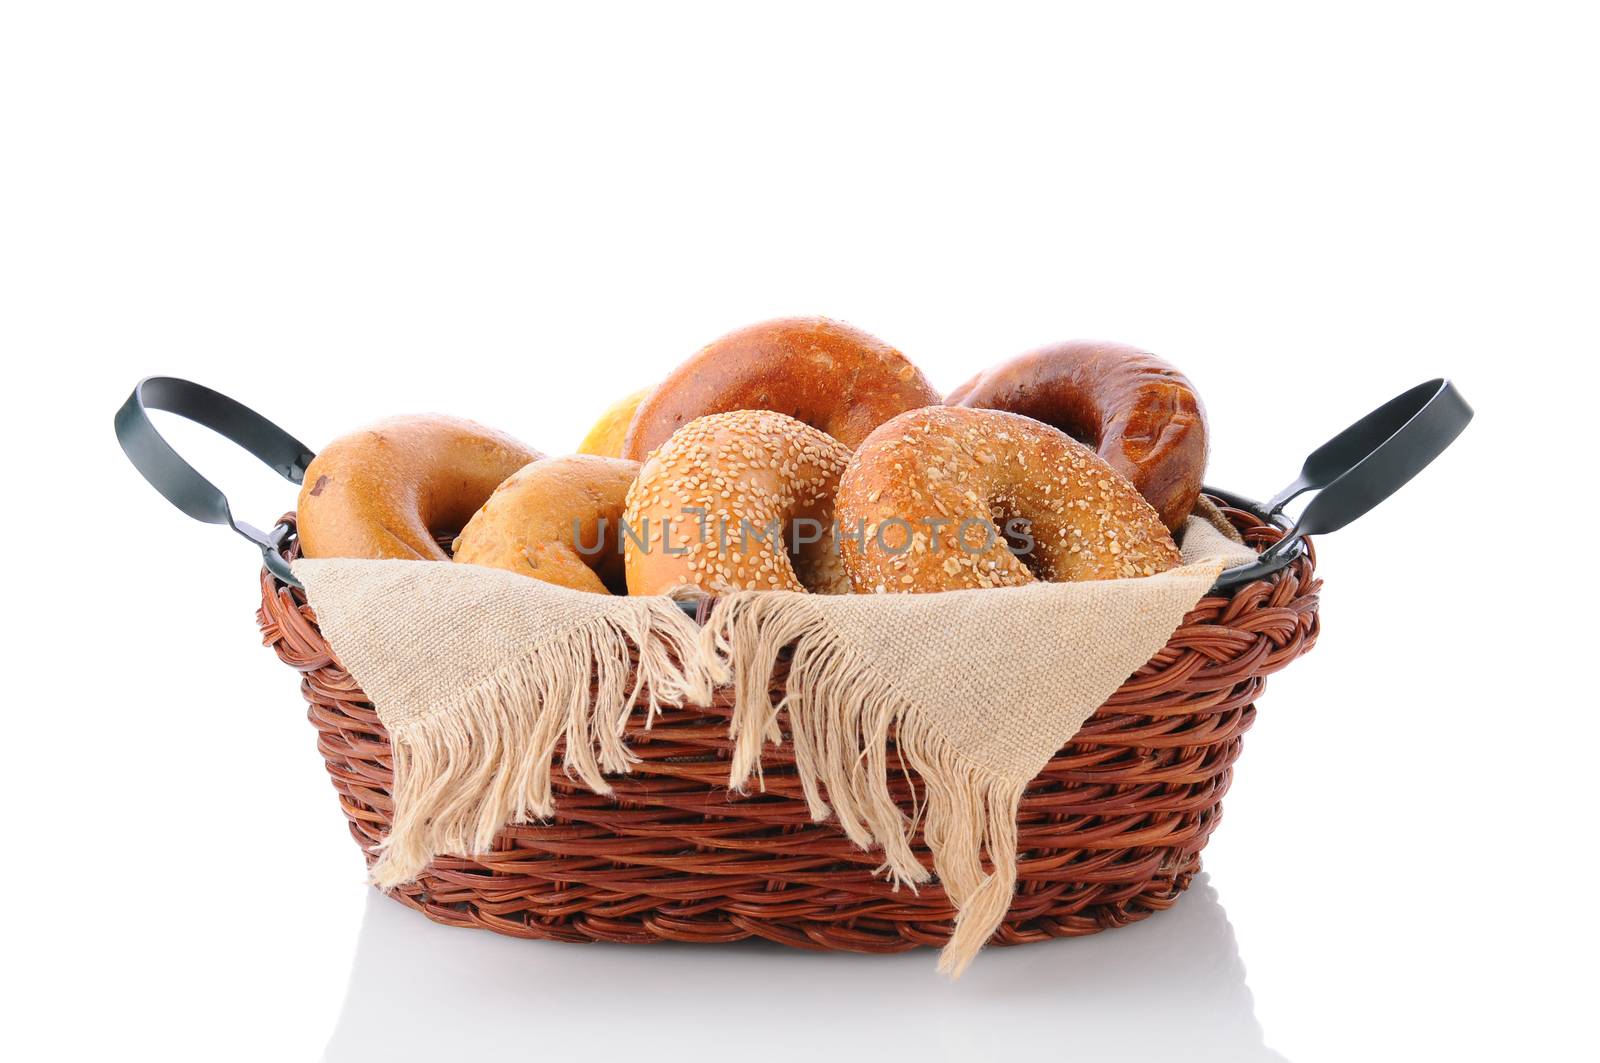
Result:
477,673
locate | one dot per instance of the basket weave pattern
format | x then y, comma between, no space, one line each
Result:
1109,832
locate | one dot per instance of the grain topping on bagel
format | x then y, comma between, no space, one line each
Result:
736,501
946,498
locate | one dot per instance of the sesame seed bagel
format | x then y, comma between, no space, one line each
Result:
1139,413
393,489
736,501
556,520
821,372
941,496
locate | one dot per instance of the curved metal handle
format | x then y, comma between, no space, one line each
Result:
1356,470
1373,458
180,483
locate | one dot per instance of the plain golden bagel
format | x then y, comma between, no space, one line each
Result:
605,438
1139,413
395,488
556,520
821,372
737,501
947,499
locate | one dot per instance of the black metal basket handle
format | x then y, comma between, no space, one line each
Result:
1351,473
1357,469
180,483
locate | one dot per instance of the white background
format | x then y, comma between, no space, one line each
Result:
336,212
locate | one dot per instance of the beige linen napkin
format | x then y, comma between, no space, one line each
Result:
477,673
981,688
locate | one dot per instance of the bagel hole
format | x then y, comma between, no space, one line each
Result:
1079,423
600,549
614,577
609,563
816,565
1002,514
805,566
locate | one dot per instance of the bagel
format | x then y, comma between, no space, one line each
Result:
395,488
717,508
947,498
1139,413
555,520
605,438
823,373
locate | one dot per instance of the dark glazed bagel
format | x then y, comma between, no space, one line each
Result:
823,373
1139,413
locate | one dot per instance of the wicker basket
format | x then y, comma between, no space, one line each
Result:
1110,831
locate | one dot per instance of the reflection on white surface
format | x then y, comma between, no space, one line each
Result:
1171,987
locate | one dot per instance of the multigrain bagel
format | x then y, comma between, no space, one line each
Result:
391,490
821,372
1139,413
946,499
555,520
736,501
